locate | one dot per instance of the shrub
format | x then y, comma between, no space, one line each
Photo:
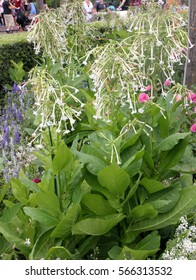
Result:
15,48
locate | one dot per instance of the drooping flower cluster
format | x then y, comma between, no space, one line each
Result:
122,70
56,105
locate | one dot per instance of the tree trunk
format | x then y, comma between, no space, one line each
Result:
190,67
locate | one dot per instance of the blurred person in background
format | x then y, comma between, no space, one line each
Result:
87,8
9,19
31,9
136,3
100,6
124,5
2,21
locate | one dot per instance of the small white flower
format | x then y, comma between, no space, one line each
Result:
67,131
141,110
159,43
59,102
27,241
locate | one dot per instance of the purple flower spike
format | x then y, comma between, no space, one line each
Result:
16,88
17,137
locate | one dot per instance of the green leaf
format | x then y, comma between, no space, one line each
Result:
10,213
172,157
96,226
163,126
63,159
97,204
151,241
133,165
64,227
136,156
138,254
89,244
5,248
17,72
144,211
115,179
1,163
131,140
47,182
29,184
41,215
172,140
58,252
78,80
42,245
3,191
163,201
153,110
10,235
55,68
20,191
148,246
95,186
132,189
93,163
188,162
46,200
152,185
44,158
186,202
186,180
149,161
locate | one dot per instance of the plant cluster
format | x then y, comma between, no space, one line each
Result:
183,245
116,132
14,149
15,51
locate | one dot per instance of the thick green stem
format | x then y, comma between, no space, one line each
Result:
52,156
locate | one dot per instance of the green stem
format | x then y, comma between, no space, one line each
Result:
52,156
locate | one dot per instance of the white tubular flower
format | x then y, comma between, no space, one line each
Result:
27,242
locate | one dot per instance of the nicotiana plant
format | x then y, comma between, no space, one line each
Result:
120,64
117,184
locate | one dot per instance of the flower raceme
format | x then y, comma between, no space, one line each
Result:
143,97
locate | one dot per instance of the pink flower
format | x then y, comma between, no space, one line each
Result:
195,109
36,180
143,97
192,97
178,97
167,83
193,127
148,88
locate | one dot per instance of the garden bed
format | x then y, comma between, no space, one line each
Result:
98,146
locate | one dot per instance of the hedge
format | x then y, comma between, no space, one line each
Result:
15,47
